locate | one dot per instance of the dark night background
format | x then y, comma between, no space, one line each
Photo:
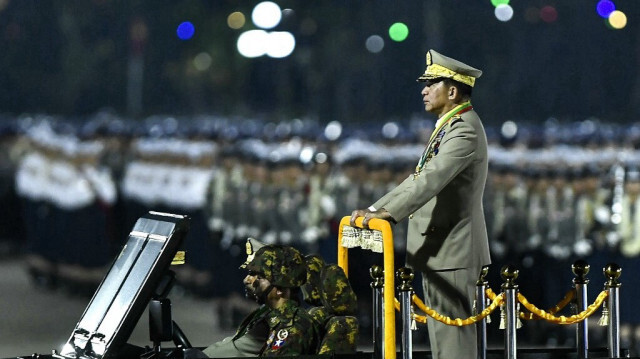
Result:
71,58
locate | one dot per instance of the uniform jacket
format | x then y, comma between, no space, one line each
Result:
249,338
292,332
443,200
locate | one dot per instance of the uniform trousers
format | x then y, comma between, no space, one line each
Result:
451,293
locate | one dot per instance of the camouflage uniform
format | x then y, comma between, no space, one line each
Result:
292,331
336,315
252,333
311,289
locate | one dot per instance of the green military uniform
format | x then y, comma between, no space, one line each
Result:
340,327
292,332
249,339
311,289
447,236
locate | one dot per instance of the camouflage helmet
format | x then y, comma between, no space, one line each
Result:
283,266
311,289
337,295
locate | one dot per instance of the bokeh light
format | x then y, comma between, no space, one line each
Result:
321,157
202,61
306,154
497,3
503,12
236,20
288,13
256,43
252,43
618,20
390,130
605,8
398,32
374,44
266,15
185,30
548,14
280,44
509,129
333,130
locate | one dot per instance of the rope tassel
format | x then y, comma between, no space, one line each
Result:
518,321
414,325
604,319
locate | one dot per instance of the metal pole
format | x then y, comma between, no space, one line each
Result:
509,274
377,274
612,271
580,268
405,290
481,304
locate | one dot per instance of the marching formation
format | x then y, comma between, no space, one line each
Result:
73,190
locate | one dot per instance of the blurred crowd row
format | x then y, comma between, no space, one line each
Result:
72,191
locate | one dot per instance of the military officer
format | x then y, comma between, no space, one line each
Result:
447,237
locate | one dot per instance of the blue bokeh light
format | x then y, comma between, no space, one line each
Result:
605,8
186,30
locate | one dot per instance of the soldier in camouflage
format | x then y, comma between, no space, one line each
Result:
311,289
252,333
275,275
337,313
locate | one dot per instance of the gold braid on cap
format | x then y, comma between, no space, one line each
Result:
435,71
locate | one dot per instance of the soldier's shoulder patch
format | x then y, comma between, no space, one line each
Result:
281,340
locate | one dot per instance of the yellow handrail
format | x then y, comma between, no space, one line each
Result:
389,272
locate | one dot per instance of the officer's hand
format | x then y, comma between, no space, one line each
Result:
380,214
357,213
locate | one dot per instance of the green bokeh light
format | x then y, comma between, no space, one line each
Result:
398,32
499,2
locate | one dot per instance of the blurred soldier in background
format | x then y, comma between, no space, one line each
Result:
321,206
629,232
67,195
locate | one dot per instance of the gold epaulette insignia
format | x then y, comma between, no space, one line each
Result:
248,247
179,258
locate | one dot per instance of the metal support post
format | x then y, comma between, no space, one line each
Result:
509,274
481,305
405,290
612,271
580,269
377,274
